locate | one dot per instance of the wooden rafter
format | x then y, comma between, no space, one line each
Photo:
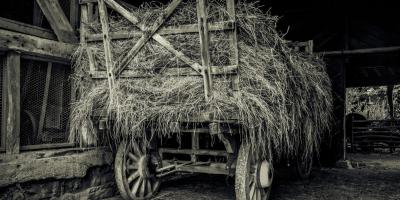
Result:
146,36
57,20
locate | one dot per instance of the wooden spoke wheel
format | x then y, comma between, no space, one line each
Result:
303,167
135,171
253,176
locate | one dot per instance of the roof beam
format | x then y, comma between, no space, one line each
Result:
20,27
57,20
32,45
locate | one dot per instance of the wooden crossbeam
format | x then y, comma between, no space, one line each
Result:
169,30
204,46
215,70
107,47
146,36
57,20
157,37
26,29
32,45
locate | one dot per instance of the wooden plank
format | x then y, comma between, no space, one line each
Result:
26,28
170,30
233,42
44,101
212,169
204,47
37,18
161,40
83,34
36,46
46,146
194,151
215,70
57,20
361,51
145,37
3,103
12,98
55,164
107,47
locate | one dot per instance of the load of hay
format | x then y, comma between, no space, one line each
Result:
284,99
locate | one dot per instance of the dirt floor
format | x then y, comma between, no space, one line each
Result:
375,176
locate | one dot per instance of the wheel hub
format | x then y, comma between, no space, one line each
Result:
264,174
143,166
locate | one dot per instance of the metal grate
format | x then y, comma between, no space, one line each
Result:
44,118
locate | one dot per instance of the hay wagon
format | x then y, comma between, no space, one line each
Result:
200,143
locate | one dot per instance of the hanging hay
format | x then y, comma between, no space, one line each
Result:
284,100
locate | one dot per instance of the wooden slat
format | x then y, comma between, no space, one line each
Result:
226,70
145,37
12,106
194,151
35,46
46,146
170,30
212,169
204,47
26,28
157,37
107,47
233,41
57,20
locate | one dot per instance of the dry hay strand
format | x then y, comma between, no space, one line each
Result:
283,105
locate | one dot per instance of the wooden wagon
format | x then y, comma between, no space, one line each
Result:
141,168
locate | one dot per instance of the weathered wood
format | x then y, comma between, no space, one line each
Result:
57,20
195,146
233,42
46,146
145,37
74,14
83,34
44,101
12,106
213,168
194,151
3,104
56,164
161,40
26,28
107,47
37,18
361,51
169,30
204,47
36,46
225,70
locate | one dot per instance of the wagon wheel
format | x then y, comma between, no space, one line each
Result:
135,169
253,176
303,166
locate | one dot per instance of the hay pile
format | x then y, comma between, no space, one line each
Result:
284,100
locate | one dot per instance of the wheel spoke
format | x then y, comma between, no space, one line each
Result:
132,166
136,148
143,187
133,177
135,187
258,194
149,187
252,189
133,157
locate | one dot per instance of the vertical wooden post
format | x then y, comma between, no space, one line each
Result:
389,93
74,14
230,5
107,46
44,102
37,17
195,145
11,114
204,45
83,31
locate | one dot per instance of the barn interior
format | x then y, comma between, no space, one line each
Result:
360,42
